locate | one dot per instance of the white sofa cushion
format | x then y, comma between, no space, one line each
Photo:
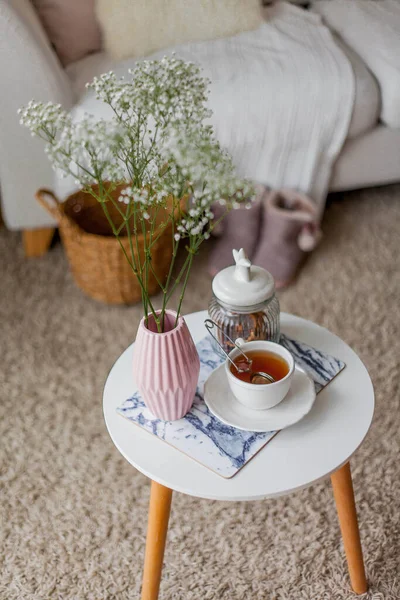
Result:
372,29
139,28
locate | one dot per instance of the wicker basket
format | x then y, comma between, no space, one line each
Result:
97,261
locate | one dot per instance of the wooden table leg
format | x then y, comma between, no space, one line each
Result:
344,497
159,509
37,241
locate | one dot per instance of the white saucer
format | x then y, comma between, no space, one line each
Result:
223,404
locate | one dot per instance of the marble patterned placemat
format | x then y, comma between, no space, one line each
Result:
201,435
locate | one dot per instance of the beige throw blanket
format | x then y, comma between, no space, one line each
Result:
282,97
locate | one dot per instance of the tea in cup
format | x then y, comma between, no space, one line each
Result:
267,357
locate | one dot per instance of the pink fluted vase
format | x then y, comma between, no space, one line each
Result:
166,367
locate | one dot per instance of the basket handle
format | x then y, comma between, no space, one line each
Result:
53,208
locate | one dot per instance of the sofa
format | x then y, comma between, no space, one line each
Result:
29,68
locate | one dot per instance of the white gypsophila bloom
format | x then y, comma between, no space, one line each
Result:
37,114
157,142
171,90
87,151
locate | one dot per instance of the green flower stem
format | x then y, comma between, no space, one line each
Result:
159,282
144,299
162,227
106,194
191,255
192,250
175,246
149,246
178,278
146,256
120,228
135,261
133,267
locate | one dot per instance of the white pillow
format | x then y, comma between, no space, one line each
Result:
135,28
372,29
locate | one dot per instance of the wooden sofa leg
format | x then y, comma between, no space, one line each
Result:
37,241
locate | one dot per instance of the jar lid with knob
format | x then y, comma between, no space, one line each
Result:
244,304
243,286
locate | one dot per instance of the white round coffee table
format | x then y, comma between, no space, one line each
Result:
318,446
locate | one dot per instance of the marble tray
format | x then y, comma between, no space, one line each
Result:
203,437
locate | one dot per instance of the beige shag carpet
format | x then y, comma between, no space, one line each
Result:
73,511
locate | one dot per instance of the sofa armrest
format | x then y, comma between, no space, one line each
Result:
28,69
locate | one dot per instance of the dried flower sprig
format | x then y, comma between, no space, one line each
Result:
157,141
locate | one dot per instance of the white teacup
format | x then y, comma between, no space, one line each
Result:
260,397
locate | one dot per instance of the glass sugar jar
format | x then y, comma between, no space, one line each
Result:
244,303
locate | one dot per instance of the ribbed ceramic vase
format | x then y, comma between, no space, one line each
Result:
166,367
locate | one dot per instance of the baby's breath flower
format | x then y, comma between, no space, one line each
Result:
157,145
